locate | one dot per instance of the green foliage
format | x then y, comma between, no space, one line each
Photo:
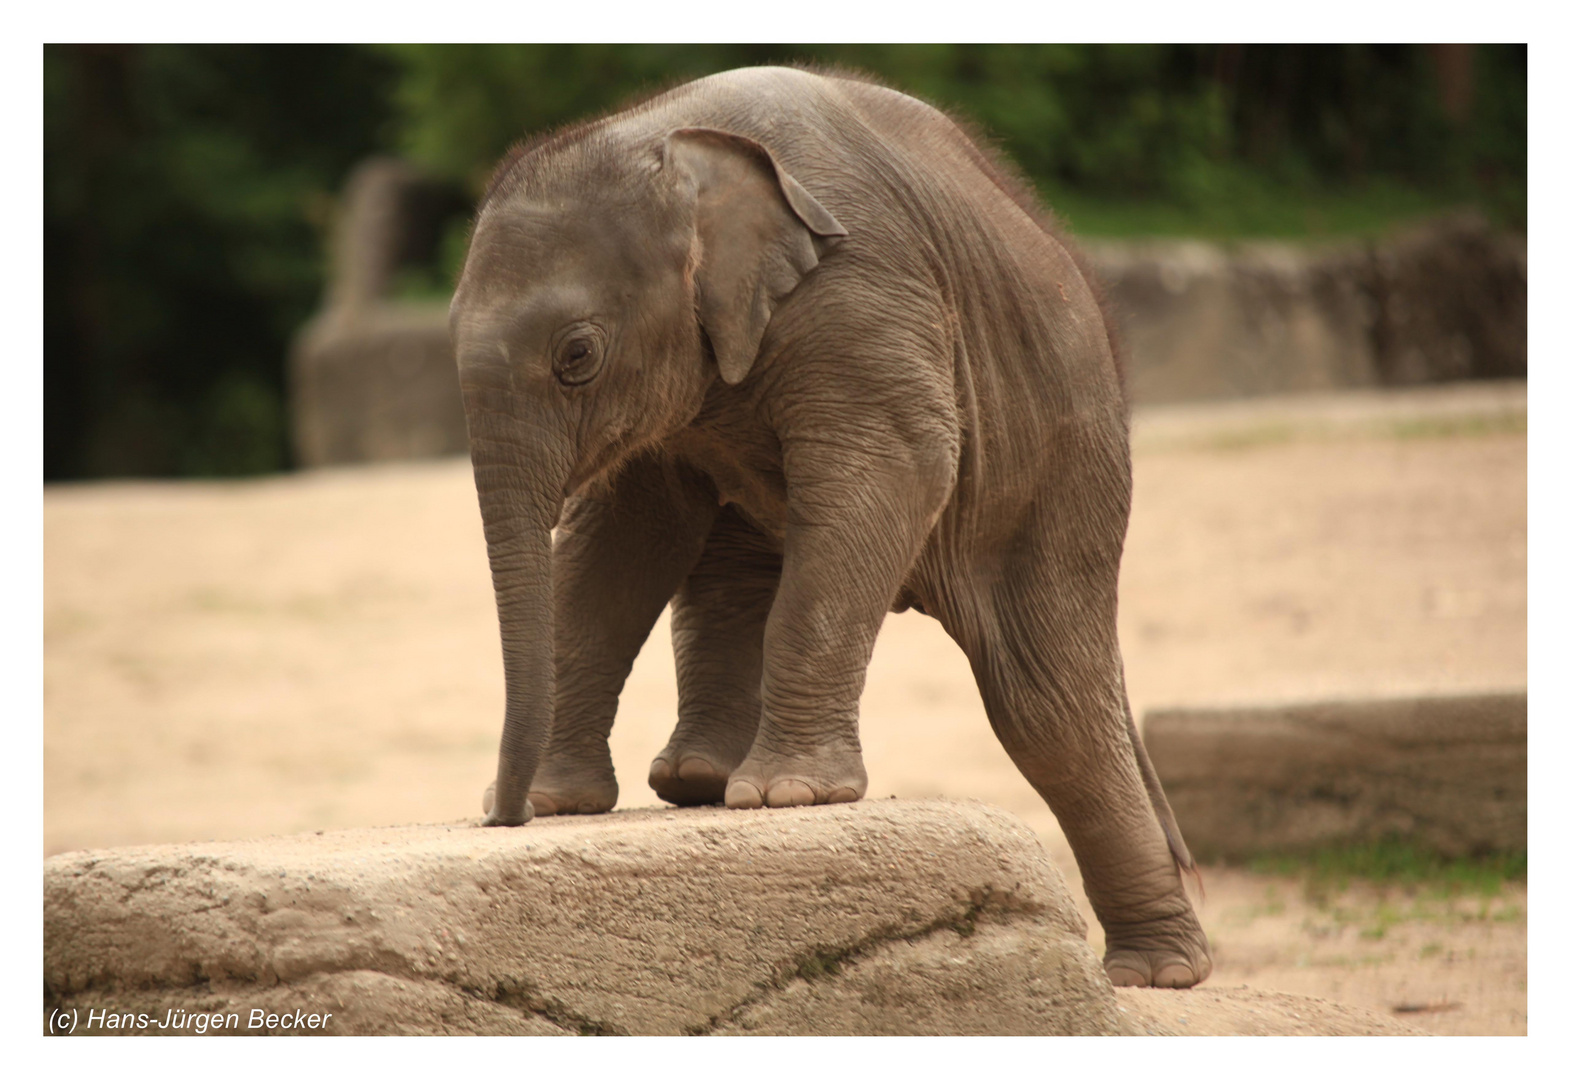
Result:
1247,204
186,193
462,106
433,282
188,189
1209,140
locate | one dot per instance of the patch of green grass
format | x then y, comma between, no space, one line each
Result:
1352,961
820,965
1396,862
1386,916
1450,427
1373,920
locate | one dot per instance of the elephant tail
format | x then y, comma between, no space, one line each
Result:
1164,813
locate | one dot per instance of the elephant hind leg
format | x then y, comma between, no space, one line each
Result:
717,631
1164,812
1044,647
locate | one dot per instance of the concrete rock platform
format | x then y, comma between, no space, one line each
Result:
885,917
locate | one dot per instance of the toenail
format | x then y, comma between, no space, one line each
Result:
544,805
741,795
1128,973
1174,977
696,768
790,793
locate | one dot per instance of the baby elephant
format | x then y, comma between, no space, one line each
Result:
788,352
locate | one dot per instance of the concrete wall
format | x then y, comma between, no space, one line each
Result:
1447,773
1442,302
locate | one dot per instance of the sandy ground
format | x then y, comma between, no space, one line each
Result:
319,651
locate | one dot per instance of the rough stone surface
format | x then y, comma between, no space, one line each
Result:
1201,321
889,916
1440,302
959,980
1243,1011
1450,302
1449,773
377,383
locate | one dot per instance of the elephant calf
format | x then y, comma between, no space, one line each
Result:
788,352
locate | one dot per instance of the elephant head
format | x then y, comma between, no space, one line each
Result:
610,280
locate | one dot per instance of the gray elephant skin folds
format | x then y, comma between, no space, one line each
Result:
788,351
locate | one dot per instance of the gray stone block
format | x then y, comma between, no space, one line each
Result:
373,378
1200,321
1440,302
376,384
889,917
1447,773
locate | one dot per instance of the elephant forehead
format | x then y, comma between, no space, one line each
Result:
525,270
567,234
504,324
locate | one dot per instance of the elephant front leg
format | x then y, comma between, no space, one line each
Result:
854,531
717,631
619,556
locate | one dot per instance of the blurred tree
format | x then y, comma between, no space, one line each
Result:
185,193
1181,122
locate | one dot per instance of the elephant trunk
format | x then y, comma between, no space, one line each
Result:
519,477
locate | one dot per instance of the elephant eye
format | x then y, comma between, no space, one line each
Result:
579,354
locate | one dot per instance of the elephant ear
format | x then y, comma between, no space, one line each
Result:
759,232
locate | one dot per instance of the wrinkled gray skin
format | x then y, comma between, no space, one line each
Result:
783,350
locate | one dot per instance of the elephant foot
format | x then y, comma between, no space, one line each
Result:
587,801
693,780
1174,961
693,768
488,800
823,777
558,798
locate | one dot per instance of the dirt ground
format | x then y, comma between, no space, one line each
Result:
319,651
